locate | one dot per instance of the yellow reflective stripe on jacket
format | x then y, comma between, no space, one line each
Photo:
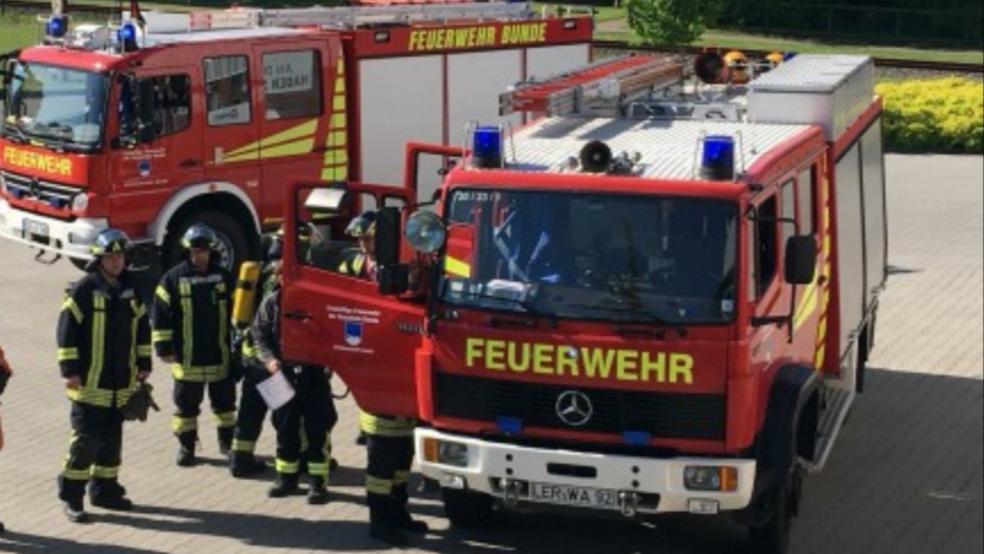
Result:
385,427
70,305
187,314
223,326
162,293
98,340
66,354
96,397
162,335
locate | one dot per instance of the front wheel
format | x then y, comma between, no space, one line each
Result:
782,501
234,245
466,509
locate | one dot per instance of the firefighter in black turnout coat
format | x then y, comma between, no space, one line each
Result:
191,315
103,350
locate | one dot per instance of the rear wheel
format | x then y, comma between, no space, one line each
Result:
466,509
234,244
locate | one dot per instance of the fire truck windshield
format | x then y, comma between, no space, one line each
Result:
614,257
59,107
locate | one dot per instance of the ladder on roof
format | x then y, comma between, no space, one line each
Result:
357,16
597,89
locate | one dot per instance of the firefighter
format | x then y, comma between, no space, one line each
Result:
311,403
191,315
252,408
389,440
103,350
5,374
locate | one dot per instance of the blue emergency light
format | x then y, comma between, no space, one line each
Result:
57,26
126,35
718,160
788,56
487,146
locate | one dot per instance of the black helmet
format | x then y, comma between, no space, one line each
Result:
363,225
110,241
199,236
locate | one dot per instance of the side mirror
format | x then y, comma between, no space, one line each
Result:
388,237
393,279
801,259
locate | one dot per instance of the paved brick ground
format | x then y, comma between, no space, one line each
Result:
906,475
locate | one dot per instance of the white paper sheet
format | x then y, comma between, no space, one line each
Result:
275,390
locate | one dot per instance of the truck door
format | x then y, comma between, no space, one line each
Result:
231,128
333,313
299,96
173,158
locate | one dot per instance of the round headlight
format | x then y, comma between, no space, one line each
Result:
425,232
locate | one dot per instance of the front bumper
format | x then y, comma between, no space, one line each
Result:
659,481
68,238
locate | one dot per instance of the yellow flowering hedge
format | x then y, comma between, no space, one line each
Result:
934,115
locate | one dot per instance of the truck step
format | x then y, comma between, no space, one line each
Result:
836,403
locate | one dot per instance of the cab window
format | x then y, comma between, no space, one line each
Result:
292,84
172,103
323,241
806,193
764,242
227,90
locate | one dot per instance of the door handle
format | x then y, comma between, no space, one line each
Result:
298,314
190,162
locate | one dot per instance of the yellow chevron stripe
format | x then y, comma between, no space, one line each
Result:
457,267
298,131
807,306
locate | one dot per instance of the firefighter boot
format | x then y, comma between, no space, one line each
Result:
75,511
109,494
225,439
186,452
244,464
285,485
410,525
382,523
317,494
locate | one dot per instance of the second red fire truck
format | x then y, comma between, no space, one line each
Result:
208,116
659,298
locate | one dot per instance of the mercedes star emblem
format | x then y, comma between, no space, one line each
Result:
574,408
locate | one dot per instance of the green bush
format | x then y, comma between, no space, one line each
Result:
934,115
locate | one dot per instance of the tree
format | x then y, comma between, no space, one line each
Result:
672,22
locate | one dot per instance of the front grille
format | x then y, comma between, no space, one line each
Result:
54,194
661,414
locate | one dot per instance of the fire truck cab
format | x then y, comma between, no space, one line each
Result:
657,298
208,116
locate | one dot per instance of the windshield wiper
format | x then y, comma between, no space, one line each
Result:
18,132
646,317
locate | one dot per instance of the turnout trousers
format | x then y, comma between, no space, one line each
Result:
389,449
311,415
188,396
94,452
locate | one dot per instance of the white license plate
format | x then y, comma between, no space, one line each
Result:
35,228
567,495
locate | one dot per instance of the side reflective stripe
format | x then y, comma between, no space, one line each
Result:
70,305
95,397
224,331
162,293
187,313
65,354
104,472
240,445
284,466
182,425
76,474
377,485
134,348
226,419
98,340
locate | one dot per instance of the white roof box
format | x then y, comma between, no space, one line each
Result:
827,90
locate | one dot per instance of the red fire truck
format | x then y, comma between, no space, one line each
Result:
658,298
207,116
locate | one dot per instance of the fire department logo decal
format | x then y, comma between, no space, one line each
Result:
574,408
353,332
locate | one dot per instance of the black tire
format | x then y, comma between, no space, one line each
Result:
236,245
773,537
466,509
